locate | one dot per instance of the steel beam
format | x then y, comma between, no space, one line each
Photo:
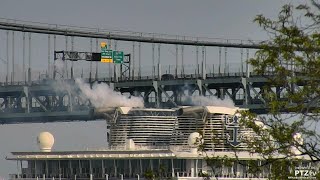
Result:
41,103
122,37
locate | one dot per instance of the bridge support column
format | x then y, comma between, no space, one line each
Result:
204,73
29,76
175,96
159,72
28,100
157,93
114,73
222,93
70,103
146,96
246,91
201,90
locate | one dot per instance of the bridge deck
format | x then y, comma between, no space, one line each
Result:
41,102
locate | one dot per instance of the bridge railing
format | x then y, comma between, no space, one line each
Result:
168,72
135,78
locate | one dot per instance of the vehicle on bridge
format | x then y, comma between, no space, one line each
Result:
167,77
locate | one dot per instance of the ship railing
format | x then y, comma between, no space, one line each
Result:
123,148
179,147
184,175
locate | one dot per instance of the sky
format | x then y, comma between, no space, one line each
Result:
227,19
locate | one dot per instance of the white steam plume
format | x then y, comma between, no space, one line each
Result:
102,96
208,101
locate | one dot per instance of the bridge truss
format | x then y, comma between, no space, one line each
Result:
42,102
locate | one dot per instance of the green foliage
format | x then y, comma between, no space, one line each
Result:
290,60
149,174
282,169
159,174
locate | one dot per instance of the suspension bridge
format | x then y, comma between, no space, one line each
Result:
40,62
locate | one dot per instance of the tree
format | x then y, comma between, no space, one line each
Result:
289,60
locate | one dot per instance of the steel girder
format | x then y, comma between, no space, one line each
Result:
42,103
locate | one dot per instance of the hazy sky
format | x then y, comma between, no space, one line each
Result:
207,18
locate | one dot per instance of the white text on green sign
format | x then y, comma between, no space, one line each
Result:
118,57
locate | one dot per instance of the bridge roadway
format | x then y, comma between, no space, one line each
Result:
57,101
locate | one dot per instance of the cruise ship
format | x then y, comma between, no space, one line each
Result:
146,143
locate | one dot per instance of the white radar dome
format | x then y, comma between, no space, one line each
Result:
45,141
194,139
298,142
298,138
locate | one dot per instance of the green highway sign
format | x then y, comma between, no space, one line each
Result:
118,57
107,54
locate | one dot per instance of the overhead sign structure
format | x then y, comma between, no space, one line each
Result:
106,54
118,57
109,56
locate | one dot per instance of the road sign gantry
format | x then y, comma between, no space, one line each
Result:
110,56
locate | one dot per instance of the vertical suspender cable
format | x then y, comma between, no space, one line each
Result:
29,69
97,45
72,49
49,52
153,62
65,62
114,65
115,45
54,50
205,59
247,67
203,65
225,60
24,57
7,77
12,76
91,50
109,64
159,63
182,58
197,60
133,58
220,60
241,58
139,46
177,56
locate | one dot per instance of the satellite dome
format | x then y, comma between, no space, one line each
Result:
297,137
194,139
45,141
